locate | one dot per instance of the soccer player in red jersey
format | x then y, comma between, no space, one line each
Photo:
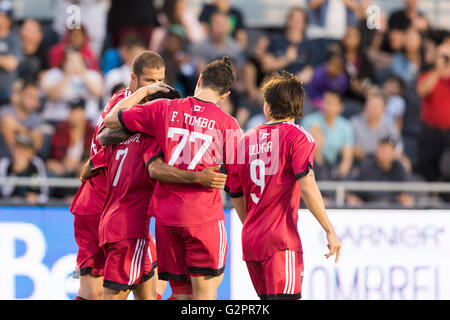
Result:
193,133
273,167
124,225
148,68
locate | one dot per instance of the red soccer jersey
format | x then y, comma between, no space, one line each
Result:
128,188
90,197
193,135
271,158
435,110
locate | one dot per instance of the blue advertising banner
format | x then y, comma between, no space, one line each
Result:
38,254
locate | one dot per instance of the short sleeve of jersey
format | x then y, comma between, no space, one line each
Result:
302,151
151,150
100,159
233,184
232,137
142,118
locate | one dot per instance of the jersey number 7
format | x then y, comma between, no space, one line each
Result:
118,155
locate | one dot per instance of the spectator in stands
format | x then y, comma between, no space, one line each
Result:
70,146
382,166
10,51
334,136
330,18
76,40
371,125
71,81
180,70
92,15
21,117
218,44
137,16
131,46
330,76
235,16
393,89
408,63
409,16
359,70
253,77
290,50
24,163
176,14
434,89
35,51
384,44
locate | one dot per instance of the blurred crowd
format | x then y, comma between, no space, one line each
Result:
378,87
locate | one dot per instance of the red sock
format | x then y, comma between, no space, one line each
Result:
172,298
79,298
158,296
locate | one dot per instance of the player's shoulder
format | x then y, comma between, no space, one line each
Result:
232,121
295,132
119,95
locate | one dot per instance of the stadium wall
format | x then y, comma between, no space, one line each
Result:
387,254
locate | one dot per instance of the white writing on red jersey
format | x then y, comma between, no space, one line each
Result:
199,121
256,149
132,139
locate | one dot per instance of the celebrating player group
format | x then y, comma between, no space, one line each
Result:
157,155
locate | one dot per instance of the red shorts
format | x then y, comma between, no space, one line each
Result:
90,257
278,277
180,286
129,262
186,251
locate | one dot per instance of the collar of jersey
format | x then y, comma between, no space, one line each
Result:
204,101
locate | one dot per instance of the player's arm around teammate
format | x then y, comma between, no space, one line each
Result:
87,172
159,170
112,119
208,177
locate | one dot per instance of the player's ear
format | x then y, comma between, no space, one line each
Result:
267,111
199,83
134,80
225,95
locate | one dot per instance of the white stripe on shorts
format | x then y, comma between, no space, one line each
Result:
136,261
289,286
222,243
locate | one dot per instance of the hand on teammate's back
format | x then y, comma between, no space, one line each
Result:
208,177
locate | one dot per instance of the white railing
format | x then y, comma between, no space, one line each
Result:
342,187
339,187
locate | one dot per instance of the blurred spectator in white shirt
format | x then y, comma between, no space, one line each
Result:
73,80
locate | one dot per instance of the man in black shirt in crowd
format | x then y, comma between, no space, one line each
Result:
382,166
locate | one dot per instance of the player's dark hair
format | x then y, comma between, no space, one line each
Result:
172,94
218,75
285,95
147,59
